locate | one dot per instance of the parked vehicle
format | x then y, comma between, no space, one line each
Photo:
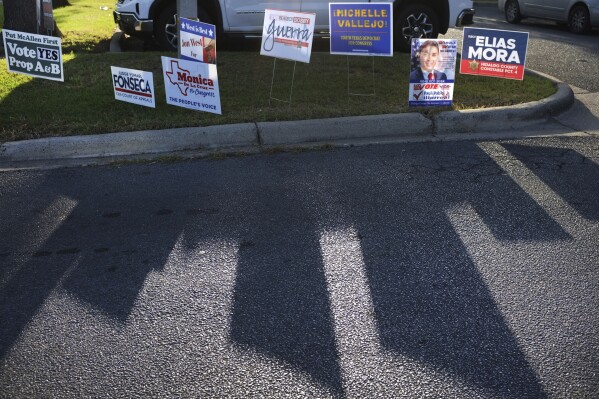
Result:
580,15
157,18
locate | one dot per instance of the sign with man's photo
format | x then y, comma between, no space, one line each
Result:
288,35
432,72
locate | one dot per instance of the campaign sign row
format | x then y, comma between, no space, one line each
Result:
356,29
187,84
190,82
485,52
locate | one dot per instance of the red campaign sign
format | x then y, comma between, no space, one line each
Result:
494,69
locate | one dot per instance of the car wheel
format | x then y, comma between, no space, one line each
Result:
512,12
579,20
166,31
414,22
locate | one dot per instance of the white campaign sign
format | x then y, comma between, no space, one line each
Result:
191,84
288,35
133,86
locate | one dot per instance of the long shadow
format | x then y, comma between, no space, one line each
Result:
508,211
281,304
16,224
431,303
24,284
101,252
119,231
570,174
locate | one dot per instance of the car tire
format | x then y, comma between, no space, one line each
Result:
512,12
414,22
579,20
165,30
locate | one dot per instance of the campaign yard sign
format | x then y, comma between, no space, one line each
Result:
288,35
197,41
34,55
133,86
361,29
492,52
191,84
432,72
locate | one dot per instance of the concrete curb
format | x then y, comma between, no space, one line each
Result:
246,135
355,127
130,143
504,118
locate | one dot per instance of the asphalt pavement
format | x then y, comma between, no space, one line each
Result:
462,269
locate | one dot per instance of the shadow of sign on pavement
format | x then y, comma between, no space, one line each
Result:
323,275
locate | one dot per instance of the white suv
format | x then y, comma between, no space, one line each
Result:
424,18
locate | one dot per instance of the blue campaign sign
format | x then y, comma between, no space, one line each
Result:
197,41
492,52
361,28
198,28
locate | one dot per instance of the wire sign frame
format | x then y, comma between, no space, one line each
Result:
272,84
287,35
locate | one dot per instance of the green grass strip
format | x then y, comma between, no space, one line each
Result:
85,104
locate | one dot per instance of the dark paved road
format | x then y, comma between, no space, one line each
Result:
456,270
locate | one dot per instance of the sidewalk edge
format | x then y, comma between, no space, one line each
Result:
291,132
508,117
131,143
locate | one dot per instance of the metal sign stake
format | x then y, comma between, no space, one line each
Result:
272,83
292,77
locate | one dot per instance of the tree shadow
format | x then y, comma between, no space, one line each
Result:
91,45
574,177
